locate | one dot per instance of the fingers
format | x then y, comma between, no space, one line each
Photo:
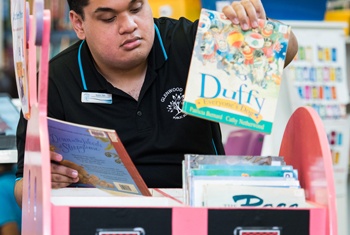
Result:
259,9
55,157
61,176
245,12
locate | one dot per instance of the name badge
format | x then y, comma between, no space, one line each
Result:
96,98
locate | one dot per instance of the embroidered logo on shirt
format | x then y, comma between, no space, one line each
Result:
174,97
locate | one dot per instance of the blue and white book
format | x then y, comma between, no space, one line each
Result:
230,195
197,184
245,172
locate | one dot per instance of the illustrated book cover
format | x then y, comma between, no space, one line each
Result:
98,155
249,196
19,41
245,173
198,184
199,169
235,75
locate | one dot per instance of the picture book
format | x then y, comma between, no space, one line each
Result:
98,155
250,196
19,41
245,172
235,75
246,167
194,162
198,183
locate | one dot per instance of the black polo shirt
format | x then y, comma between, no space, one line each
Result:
153,130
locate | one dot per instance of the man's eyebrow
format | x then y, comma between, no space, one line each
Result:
104,9
107,9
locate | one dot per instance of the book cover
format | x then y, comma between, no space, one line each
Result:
249,196
197,184
98,155
246,167
195,161
235,75
20,31
245,172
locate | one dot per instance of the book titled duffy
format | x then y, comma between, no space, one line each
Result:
235,75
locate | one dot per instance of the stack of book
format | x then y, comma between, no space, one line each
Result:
240,181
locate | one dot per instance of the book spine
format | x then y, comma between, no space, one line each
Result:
129,165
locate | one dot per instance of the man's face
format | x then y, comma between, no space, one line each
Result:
120,33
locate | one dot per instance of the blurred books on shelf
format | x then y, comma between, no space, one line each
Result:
339,15
62,34
242,180
253,196
9,115
338,4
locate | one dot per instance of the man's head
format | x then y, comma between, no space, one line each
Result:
120,33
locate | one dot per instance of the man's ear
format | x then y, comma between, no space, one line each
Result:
77,23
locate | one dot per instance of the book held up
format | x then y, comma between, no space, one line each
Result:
235,75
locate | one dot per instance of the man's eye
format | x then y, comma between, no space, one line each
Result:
135,10
109,19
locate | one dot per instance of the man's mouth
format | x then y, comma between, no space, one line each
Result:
132,42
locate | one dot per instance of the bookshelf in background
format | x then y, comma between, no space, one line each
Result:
62,34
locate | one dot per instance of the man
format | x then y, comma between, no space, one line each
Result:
139,65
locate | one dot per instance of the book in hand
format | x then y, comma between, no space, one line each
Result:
229,195
98,155
235,75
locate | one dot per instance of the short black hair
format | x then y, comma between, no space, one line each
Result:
78,6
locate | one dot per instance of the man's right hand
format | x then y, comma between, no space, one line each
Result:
61,176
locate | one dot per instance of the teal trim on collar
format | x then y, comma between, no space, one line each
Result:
161,42
82,76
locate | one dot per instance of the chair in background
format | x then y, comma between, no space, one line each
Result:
244,142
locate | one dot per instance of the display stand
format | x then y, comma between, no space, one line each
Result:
36,207
304,145
301,87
